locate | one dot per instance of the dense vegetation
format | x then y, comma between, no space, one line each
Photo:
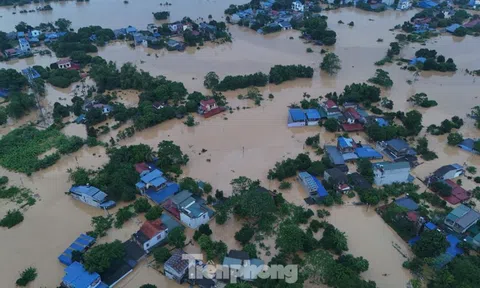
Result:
317,29
357,93
258,79
12,80
63,78
282,73
434,62
12,218
163,15
421,99
20,104
20,149
101,257
27,276
331,63
446,126
381,78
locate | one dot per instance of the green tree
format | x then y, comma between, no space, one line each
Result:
170,157
357,264
191,185
12,218
381,78
63,24
20,104
27,276
251,249
413,121
335,240
245,234
431,244
141,205
290,238
177,237
364,167
331,125
161,255
331,63
3,115
211,80
101,257
154,213
454,139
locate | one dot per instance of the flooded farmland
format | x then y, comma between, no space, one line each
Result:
245,143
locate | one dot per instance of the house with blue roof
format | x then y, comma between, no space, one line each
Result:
131,30
368,152
92,196
426,4
24,45
336,157
20,35
452,28
81,244
416,60
30,73
312,117
387,173
312,185
468,144
296,118
3,93
120,32
77,276
153,180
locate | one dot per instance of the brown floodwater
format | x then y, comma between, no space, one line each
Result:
247,142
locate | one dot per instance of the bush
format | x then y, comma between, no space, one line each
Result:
205,229
3,180
123,215
245,234
221,217
477,179
251,249
27,276
309,50
282,73
161,255
331,125
321,213
470,169
12,218
163,15
141,205
207,188
284,185
315,225
154,213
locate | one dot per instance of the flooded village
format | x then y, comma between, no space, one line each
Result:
131,136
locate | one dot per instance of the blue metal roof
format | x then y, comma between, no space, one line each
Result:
368,152
3,92
297,114
158,181
345,142
407,203
430,226
453,27
77,276
312,114
427,4
381,122
334,155
162,194
140,185
91,191
152,175
30,73
80,244
321,191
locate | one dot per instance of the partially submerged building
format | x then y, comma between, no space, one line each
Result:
312,185
176,266
398,150
191,211
151,234
387,173
461,218
447,172
209,107
338,179
336,157
469,145
92,196
458,194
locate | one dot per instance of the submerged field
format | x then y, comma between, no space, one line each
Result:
245,143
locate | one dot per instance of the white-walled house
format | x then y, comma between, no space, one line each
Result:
150,234
298,6
91,196
192,213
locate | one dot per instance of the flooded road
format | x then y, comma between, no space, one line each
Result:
245,143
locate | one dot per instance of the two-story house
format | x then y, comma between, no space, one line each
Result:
192,212
92,196
462,218
153,180
387,173
177,265
151,234
24,45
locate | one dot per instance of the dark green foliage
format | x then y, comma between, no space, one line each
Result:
290,238
357,264
251,249
3,115
422,149
282,73
413,122
244,235
214,250
123,215
69,145
154,213
285,185
148,286
442,189
301,215
331,125
446,126
431,244
289,167
141,205
463,271
163,15
12,80
335,240
432,62
27,276
242,81
381,78
322,213
177,237
60,111
317,168
170,157
161,255
12,218
454,139
101,257
365,168
3,180
317,28
101,225
191,185
315,225
211,80
63,78
358,93
313,141
20,104
393,50
421,99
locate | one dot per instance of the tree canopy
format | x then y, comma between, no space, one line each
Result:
170,157
431,244
331,63
101,257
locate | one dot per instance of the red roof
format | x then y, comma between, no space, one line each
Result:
140,167
352,127
353,112
152,228
330,104
210,101
412,216
458,193
64,61
471,24
343,187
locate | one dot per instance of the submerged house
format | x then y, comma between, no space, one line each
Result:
387,173
338,179
398,150
209,108
404,5
152,180
24,45
353,120
458,194
336,157
330,109
312,185
296,118
81,244
347,147
191,211
461,218
77,276
176,267
447,172
469,145
151,234
367,152
92,196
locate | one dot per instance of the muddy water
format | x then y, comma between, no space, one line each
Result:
137,13
247,142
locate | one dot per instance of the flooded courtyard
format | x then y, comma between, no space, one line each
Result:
247,142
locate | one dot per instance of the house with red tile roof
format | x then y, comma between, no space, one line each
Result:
458,193
150,234
209,107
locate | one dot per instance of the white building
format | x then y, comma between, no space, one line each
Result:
91,196
387,173
24,45
404,5
150,234
35,33
192,213
64,64
298,6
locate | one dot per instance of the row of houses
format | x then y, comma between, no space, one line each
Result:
28,40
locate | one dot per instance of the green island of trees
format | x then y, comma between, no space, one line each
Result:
434,62
162,15
282,73
20,149
381,78
421,99
258,79
331,64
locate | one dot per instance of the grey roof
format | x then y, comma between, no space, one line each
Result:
398,144
176,262
469,218
334,155
407,203
237,254
391,165
181,196
337,175
440,172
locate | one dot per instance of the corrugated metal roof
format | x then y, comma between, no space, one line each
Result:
334,155
297,114
312,114
391,165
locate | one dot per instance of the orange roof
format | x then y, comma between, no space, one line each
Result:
152,228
